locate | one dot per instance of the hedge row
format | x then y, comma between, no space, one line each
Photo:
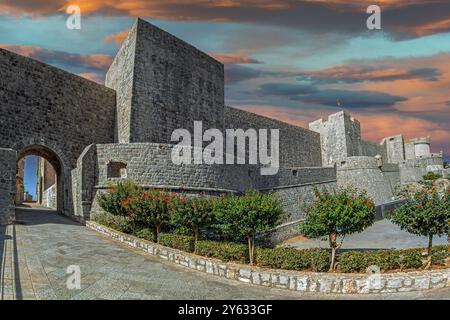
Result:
292,259
225,251
177,241
359,261
317,260
119,223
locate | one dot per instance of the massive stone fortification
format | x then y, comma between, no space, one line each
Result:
377,168
94,135
162,84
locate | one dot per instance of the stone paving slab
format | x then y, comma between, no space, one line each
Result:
36,254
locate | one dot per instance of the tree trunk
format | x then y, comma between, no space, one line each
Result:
429,251
332,240
158,231
195,239
251,248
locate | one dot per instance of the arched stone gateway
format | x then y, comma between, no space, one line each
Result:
50,113
57,169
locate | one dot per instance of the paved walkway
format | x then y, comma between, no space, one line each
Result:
382,234
36,251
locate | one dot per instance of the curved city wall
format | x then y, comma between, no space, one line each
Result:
99,135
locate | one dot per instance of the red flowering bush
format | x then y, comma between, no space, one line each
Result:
150,209
111,201
337,214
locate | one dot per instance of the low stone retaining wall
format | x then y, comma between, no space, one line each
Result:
291,280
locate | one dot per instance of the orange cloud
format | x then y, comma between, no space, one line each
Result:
92,61
351,73
118,37
429,28
283,12
240,57
162,9
423,95
99,78
366,3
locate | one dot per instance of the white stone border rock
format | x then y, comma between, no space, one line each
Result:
284,279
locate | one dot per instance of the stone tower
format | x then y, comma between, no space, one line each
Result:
395,148
163,84
340,137
421,146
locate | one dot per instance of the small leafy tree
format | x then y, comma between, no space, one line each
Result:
248,215
337,214
192,214
424,212
431,176
150,208
111,201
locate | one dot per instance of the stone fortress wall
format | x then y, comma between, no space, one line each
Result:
157,83
8,161
377,168
150,165
45,108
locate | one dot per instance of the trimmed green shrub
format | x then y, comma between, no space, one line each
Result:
225,251
293,259
146,234
338,214
411,259
177,241
246,216
424,212
359,261
191,215
431,176
119,223
439,254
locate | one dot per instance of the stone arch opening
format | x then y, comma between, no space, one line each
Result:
49,183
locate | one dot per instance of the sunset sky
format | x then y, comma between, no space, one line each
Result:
290,60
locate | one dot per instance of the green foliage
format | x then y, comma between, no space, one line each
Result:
431,176
337,214
177,241
317,260
111,201
225,251
439,254
146,234
119,223
150,208
245,216
424,212
342,213
359,261
192,214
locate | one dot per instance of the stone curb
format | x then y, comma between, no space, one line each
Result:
284,279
